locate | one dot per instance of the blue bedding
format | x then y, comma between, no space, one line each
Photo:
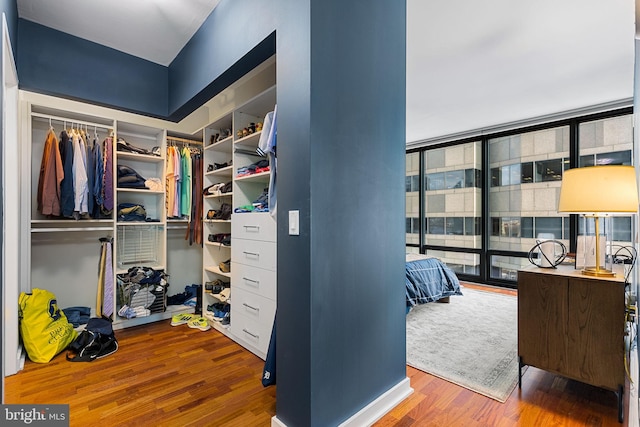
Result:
428,279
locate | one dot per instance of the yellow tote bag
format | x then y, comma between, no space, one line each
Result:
44,328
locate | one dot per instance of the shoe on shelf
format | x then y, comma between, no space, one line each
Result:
181,319
226,319
225,266
199,323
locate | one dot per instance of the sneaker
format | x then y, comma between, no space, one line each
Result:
226,319
199,323
181,319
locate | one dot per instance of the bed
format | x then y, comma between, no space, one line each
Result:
428,279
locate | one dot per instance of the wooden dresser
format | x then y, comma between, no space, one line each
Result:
573,325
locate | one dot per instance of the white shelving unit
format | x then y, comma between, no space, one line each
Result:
253,289
64,252
61,254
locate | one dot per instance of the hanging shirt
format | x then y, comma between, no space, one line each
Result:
90,176
170,183
66,186
98,178
107,177
51,176
267,146
80,181
178,177
185,190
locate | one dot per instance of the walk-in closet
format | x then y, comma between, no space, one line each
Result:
142,181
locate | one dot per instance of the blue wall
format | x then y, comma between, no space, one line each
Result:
341,144
341,149
227,45
56,63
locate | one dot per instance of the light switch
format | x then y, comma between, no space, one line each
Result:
294,223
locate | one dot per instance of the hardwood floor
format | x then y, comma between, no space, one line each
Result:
178,376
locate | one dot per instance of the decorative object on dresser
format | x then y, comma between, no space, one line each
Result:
597,192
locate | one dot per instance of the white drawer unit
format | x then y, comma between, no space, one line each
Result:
253,226
253,279
254,253
252,318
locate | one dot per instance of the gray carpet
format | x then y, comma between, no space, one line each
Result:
472,341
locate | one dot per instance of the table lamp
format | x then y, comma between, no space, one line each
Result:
595,192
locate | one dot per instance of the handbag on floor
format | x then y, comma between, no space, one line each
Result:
96,341
44,328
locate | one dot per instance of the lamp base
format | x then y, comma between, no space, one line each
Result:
598,271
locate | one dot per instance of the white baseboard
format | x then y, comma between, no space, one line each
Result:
374,410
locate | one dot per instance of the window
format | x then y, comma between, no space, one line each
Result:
453,178
412,207
549,170
435,181
523,173
521,207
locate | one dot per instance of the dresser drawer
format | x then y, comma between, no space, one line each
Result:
254,279
252,318
253,226
253,253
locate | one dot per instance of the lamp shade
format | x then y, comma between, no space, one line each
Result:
599,189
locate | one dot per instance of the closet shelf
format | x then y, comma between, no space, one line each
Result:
138,190
216,244
120,322
147,158
254,177
212,221
222,145
226,171
216,270
249,141
70,221
65,229
61,225
217,196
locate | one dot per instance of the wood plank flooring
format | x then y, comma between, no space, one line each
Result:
178,376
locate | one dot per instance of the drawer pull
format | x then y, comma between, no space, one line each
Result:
256,227
248,306
246,279
249,333
251,254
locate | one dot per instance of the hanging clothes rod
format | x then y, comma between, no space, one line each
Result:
56,229
183,140
68,120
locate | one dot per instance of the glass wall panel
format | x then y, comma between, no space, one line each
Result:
608,142
459,262
506,267
524,174
453,202
523,202
412,208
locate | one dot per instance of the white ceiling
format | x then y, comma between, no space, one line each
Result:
470,65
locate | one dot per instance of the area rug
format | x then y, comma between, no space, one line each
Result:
472,341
